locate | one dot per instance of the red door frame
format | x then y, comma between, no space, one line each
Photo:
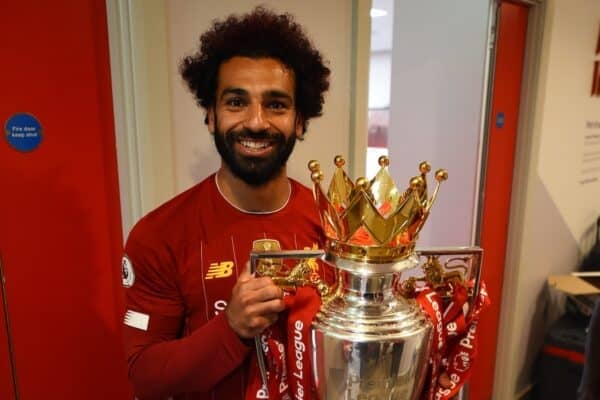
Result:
511,35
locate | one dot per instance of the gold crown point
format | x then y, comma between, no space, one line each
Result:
362,183
417,183
441,175
339,161
424,167
317,176
383,161
314,166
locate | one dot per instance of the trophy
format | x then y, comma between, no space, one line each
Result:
370,339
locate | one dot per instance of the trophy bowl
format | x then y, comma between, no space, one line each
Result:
368,341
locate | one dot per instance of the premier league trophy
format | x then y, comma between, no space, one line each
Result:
370,338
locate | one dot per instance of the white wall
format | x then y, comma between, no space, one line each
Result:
555,207
438,66
329,25
139,72
380,74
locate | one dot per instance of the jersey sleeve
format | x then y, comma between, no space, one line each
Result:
161,362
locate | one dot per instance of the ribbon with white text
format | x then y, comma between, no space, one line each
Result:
286,348
459,336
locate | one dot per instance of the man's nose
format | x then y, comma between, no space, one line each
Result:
256,119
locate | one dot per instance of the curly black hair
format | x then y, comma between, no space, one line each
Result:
260,33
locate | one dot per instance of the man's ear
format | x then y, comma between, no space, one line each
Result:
299,127
210,119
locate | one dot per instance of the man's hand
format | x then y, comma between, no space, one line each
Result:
254,305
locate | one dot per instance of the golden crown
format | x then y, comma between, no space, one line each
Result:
371,220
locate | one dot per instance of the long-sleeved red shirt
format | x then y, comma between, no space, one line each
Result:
181,263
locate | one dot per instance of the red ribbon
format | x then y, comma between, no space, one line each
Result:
431,302
455,348
289,371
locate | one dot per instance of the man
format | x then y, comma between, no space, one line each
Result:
192,306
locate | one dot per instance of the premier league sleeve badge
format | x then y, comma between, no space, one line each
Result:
127,273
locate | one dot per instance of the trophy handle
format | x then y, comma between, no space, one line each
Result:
267,262
463,265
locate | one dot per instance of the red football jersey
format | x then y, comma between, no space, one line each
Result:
181,263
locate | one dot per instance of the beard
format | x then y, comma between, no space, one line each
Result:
255,171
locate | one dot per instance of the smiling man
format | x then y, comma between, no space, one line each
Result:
192,308
255,125
253,97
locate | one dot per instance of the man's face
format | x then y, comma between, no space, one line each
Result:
254,120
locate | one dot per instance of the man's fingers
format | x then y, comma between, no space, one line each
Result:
254,305
260,323
259,283
246,273
262,289
256,302
267,307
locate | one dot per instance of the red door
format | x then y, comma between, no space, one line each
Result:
498,183
60,230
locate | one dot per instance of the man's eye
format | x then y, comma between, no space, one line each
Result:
235,102
277,105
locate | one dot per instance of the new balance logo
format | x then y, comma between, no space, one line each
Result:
220,270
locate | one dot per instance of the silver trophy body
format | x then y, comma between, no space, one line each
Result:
368,341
